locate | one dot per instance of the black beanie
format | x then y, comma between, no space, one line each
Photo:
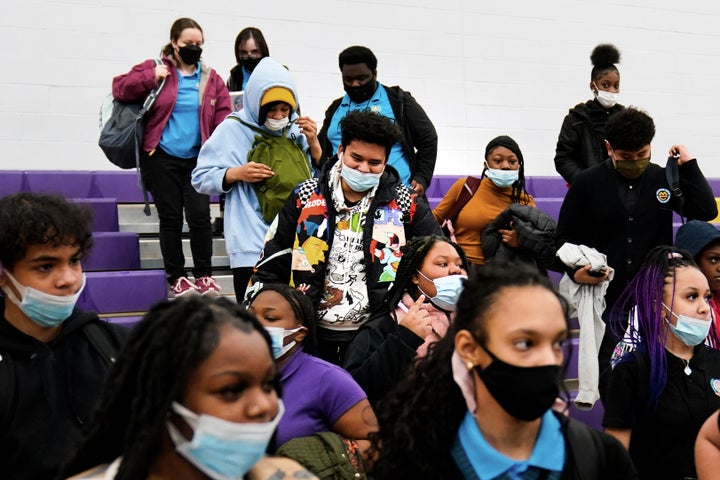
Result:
504,141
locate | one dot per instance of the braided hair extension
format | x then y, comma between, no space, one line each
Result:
302,308
171,340
414,253
419,420
645,293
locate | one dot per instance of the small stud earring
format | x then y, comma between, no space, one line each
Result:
469,366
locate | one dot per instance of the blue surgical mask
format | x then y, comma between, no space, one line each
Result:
278,336
447,290
691,331
220,449
358,181
502,178
42,308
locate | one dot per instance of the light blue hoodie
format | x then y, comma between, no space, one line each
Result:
228,147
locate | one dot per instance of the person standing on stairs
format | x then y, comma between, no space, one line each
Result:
190,106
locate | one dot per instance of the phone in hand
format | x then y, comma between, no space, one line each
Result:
597,273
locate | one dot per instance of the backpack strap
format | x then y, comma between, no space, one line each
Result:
672,174
469,188
147,105
588,455
7,388
99,339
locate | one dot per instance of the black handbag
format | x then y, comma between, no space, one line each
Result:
121,136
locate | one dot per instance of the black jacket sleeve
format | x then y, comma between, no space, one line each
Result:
378,361
423,138
567,151
327,150
699,198
423,222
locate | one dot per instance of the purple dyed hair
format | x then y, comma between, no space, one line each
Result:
645,294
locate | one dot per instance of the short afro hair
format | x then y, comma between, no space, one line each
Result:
368,126
357,54
41,219
629,129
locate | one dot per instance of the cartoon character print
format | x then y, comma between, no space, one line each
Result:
313,216
387,238
306,258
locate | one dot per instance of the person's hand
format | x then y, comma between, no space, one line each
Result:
161,71
681,152
418,187
510,237
417,319
308,127
251,172
583,276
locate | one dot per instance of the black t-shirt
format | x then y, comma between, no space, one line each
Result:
663,439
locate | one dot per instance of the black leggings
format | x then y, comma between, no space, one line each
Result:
241,277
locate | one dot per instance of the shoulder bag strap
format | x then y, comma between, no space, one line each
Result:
469,188
672,174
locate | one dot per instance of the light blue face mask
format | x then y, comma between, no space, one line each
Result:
42,308
447,290
220,449
358,181
690,331
502,178
278,335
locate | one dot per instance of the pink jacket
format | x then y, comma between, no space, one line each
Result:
438,319
138,82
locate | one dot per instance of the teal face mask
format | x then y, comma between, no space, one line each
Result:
42,308
690,331
502,178
220,449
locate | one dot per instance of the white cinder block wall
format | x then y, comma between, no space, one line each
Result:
479,68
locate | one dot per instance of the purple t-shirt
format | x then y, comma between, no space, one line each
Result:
316,394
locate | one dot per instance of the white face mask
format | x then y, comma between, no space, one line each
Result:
221,449
606,99
276,125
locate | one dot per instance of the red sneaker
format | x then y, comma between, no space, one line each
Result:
207,286
183,286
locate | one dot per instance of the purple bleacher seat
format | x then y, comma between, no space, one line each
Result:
546,187
591,418
12,182
71,184
113,251
105,210
127,291
550,206
121,185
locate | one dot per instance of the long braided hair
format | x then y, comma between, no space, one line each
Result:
171,340
414,253
645,294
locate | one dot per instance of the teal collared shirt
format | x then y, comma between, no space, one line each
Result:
181,135
548,454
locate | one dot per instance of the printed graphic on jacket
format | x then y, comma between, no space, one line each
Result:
387,238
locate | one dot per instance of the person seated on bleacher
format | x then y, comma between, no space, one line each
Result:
660,394
53,357
195,394
338,237
319,396
479,404
501,184
416,313
624,207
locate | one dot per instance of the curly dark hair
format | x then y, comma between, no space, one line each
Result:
41,219
604,57
302,308
176,30
420,418
357,54
245,35
151,372
414,253
629,129
368,126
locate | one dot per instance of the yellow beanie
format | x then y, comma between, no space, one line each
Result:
278,94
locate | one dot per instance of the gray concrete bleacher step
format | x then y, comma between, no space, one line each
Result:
132,218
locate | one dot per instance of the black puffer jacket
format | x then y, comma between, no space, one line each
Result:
536,235
580,144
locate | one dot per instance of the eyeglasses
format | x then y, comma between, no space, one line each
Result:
255,54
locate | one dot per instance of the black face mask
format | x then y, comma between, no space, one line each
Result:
361,93
249,64
190,54
526,393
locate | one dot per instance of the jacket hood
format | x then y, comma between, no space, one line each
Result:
15,342
267,74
